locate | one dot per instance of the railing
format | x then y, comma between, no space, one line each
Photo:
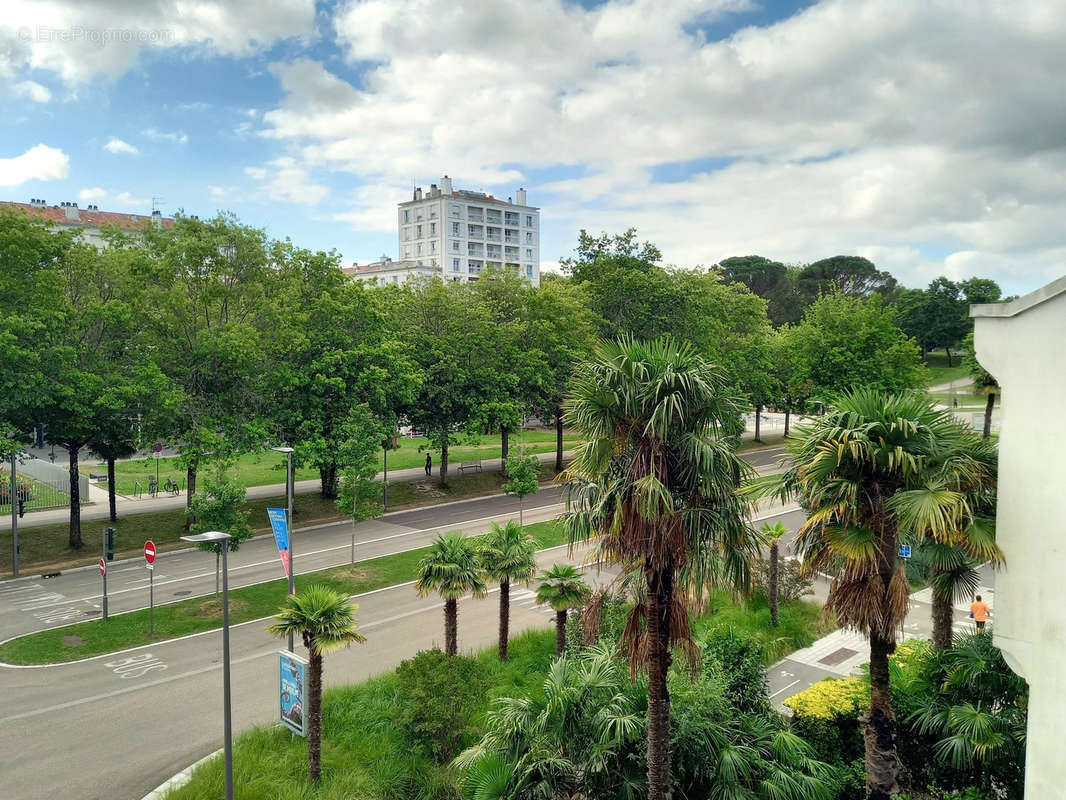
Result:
510,219
490,217
470,215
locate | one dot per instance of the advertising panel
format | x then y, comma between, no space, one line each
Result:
292,706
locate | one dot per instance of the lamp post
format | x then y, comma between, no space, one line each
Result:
222,541
13,497
290,490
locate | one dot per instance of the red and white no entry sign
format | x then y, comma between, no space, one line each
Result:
103,567
149,551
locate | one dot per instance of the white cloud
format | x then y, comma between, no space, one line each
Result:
176,137
118,146
31,90
288,182
40,162
218,192
79,40
88,195
127,199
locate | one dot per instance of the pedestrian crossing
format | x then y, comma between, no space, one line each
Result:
528,599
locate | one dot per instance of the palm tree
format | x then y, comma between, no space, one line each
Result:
451,569
562,588
873,469
773,534
655,482
508,554
325,620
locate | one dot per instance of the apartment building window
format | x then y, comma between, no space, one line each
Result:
455,229
456,246
529,270
433,247
529,252
529,220
455,264
475,214
529,237
433,229
407,234
419,250
510,218
406,215
418,231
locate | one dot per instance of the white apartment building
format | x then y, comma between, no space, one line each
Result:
459,233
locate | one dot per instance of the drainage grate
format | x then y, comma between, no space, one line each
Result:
837,656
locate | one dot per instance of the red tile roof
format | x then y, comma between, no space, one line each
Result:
85,217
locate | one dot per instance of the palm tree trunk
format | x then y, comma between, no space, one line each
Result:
560,632
882,765
443,471
943,617
788,414
772,588
505,446
758,413
75,498
505,617
451,625
660,592
988,414
190,490
559,439
314,717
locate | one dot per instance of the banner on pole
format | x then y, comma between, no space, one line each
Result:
280,525
292,709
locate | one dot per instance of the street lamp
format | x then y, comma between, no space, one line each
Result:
222,541
290,490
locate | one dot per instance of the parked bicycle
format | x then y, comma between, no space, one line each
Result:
171,485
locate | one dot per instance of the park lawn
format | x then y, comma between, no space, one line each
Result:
968,399
365,756
267,467
197,614
46,546
939,371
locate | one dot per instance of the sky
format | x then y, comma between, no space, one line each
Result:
929,137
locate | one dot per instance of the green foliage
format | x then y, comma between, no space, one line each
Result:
322,617
508,553
218,508
562,587
523,474
360,493
792,582
451,568
436,698
737,661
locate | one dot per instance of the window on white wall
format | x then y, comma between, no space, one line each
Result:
433,229
406,215
529,252
457,246
455,228
529,220
529,236
455,264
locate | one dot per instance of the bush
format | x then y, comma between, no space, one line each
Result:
826,715
437,696
738,661
792,584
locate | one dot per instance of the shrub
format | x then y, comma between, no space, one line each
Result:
826,715
830,698
738,660
437,695
792,584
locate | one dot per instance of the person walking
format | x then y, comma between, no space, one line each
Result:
979,613
429,464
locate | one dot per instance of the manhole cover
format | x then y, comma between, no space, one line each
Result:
837,656
182,593
73,641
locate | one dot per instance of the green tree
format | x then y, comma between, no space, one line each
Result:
772,535
656,483
360,493
562,587
325,620
983,380
853,276
218,508
523,474
451,568
860,472
508,554
770,280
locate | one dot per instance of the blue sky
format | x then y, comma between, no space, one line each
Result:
715,127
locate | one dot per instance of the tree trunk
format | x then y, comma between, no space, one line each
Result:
327,477
314,717
772,588
947,350
560,632
505,445
882,765
505,617
451,624
943,616
788,414
559,439
758,413
660,592
75,497
190,490
988,414
112,514
443,464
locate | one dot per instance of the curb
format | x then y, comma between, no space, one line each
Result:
178,780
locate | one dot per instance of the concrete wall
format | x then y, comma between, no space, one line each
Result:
1022,345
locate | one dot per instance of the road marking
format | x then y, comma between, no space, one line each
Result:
135,666
775,694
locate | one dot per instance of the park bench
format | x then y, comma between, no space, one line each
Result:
471,465
96,477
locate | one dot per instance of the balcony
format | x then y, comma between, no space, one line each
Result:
493,252
511,252
511,238
492,234
475,215
474,250
493,216
510,218
475,232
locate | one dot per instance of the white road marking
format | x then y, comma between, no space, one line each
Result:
775,694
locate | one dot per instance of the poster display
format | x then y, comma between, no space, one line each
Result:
279,524
292,706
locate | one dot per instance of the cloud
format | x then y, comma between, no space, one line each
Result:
128,199
88,195
176,137
40,162
79,40
288,182
118,146
31,90
218,192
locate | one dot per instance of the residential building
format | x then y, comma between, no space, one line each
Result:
458,233
88,220
388,271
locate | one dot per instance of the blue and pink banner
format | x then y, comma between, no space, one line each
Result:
279,522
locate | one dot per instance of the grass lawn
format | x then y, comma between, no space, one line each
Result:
768,441
47,545
205,613
939,371
968,399
365,756
263,469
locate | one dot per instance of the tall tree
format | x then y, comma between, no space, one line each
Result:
451,568
983,380
655,483
853,276
770,280
523,473
772,535
508,554
563,588
325,620
859,471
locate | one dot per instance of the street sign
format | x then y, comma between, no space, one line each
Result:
103,567
280,525
291,705
149,553
157,448
904,551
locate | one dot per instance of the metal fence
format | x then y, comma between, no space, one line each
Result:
40,485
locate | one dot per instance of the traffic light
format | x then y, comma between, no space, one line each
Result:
39,432
110,544
22,506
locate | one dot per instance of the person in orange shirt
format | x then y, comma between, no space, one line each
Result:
979,611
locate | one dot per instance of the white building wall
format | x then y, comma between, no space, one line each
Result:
1021,344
